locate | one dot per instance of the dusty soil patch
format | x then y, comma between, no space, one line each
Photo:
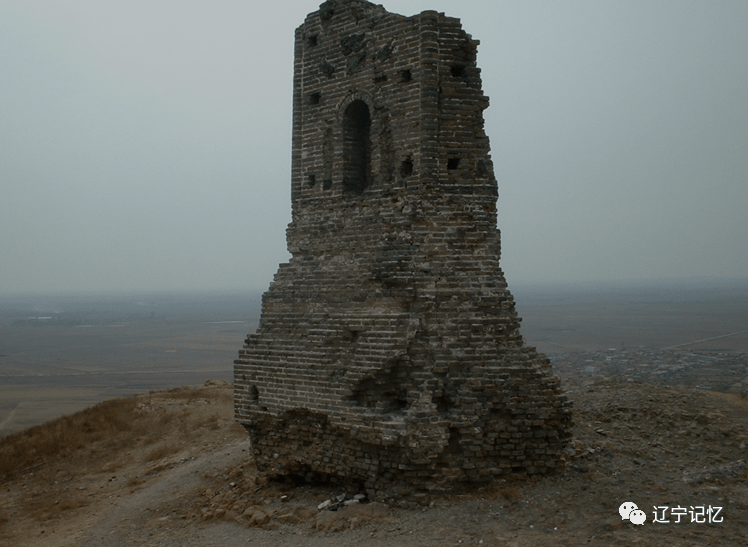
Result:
189,481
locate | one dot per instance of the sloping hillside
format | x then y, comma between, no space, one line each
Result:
172,468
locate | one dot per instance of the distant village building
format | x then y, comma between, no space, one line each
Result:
388,357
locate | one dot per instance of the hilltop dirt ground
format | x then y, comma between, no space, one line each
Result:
172,468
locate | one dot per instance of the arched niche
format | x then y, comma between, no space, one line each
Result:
356,147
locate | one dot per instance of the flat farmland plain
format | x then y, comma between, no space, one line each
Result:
60,354
688,316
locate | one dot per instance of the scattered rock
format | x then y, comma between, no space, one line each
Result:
733,470
288,518
257,516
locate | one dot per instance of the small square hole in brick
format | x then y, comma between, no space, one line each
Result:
327,69
406,167
406,76
312,40
453,163
380,79
458,71
311,180
314,98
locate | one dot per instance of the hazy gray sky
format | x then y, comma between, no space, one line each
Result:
146,144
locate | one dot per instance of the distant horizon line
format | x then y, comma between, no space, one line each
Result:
707,281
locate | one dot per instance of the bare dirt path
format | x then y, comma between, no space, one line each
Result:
150,508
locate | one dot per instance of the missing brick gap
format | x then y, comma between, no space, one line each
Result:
406,167
458,71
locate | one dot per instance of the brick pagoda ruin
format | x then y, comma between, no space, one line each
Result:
388,356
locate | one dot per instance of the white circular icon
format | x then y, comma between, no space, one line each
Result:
637,516
626,508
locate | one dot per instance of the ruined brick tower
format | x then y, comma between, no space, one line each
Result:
389,355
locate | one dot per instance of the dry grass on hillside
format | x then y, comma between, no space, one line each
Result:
56,470
107,437
110,421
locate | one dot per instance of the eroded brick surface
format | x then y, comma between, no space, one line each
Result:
389,354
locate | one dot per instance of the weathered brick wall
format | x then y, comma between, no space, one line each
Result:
389,354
